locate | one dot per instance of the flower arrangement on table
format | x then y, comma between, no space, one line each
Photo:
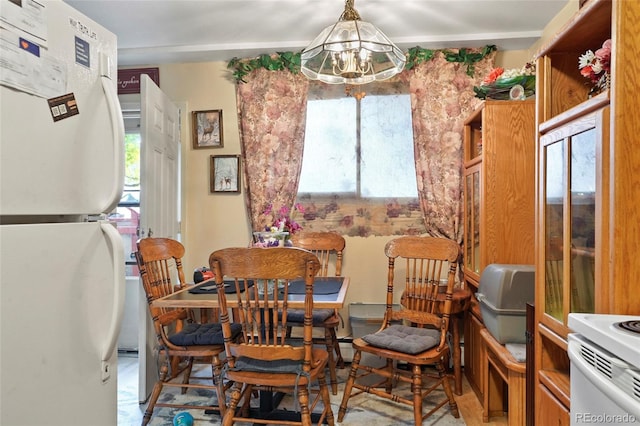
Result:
596,66
504,84
283,226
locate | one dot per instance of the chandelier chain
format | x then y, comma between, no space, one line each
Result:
350,13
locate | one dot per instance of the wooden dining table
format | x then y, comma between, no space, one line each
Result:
186,298
198,297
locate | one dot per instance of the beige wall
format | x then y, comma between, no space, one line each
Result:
213,221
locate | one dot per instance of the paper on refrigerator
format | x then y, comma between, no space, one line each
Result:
21,69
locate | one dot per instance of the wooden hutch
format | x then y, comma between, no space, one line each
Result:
588,190
499,195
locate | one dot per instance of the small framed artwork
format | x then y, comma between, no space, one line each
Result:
207,129
225,173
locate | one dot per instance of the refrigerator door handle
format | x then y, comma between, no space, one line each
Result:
115,240
117,127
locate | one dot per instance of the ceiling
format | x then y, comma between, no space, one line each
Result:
167,31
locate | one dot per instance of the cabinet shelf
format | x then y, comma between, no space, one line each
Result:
558,384
559,77
579,110
590,25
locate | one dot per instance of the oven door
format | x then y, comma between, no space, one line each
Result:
604,389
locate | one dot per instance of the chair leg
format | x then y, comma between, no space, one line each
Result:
447,390
388,384
329,342
303,401
216,369
336,347
416,389
175,367
155,394
187,374
247,393
349,385
236,392
326,399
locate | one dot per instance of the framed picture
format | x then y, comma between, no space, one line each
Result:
225,173
207,129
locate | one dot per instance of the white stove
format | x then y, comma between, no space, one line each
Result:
609,332
605,369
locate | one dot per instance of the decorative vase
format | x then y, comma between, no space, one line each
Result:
270,239
603,83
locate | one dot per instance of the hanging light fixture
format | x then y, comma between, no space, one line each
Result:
351,52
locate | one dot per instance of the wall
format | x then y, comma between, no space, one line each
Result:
213,221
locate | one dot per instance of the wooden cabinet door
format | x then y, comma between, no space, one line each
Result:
474,354
550,412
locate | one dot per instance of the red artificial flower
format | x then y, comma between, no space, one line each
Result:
493,75
587,72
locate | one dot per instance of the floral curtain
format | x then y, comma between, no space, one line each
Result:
271,112
442,98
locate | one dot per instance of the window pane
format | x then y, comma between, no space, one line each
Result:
329,160
388,166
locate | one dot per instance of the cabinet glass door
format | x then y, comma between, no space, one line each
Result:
476,222
570,204
472,220
555,185
583,208
468,221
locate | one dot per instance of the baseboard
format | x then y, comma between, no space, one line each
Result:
346,350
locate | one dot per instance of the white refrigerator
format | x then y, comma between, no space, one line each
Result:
61,260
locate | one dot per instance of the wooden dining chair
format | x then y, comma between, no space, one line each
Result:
180,339
329,248
420,340
265,360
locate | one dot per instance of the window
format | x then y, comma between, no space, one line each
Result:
367,145
358,172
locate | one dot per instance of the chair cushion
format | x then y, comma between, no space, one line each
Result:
244,363
322,285
319,315
401,338
202,334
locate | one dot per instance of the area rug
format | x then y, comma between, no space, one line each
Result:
363,409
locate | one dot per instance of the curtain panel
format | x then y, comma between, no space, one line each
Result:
442,97
272,109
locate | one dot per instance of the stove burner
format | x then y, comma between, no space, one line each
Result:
632,326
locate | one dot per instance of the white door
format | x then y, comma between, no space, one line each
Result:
159,200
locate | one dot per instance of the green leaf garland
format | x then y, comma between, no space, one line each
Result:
279,61
291,60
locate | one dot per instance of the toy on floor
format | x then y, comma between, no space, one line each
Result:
183,419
